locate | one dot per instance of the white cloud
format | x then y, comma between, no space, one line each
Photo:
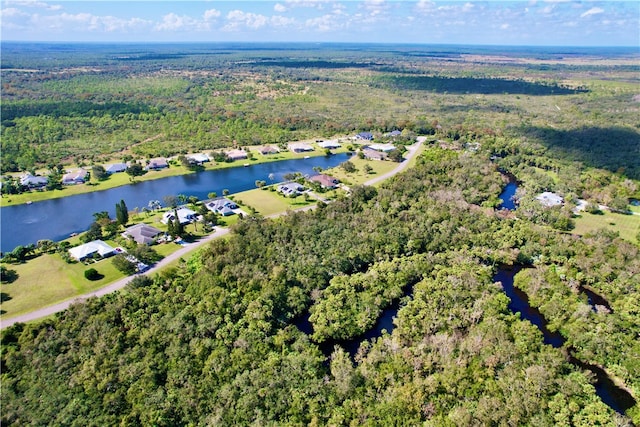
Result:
425,6
280,8
34,3
592,11
237,19
505,26
326,23
312,4
211,14
173,22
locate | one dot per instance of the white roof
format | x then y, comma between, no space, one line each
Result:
83,251
198,157
383,147
184,215
329,144
549,199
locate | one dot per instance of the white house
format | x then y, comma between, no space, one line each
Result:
185,215
330,144
222,206
89,249
291,188
300,147
115,168
384,148
33,181
198,158
549,199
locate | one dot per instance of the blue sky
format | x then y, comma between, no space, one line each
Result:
534,22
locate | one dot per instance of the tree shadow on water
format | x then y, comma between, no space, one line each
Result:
616,149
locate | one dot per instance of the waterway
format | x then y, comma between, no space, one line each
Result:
56,219
615,397
507,196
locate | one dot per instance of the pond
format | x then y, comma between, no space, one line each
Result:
508,196
56,219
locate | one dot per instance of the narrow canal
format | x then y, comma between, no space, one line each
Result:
613,396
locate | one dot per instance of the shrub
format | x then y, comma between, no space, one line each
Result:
92,274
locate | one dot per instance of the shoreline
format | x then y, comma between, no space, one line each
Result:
408,162
7,200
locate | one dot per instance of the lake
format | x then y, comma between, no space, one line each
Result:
56,219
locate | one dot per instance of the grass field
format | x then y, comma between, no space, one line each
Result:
48,280
628,226
267,202
360,176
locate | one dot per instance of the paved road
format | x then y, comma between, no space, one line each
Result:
412,150
47,311
52,309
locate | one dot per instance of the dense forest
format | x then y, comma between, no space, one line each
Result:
217,340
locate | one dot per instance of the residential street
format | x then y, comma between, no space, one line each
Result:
47,311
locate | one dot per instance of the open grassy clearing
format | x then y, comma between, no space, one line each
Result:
360,176
47,280
628,226
267,202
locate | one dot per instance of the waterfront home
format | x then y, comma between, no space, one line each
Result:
269,149
115,168
89,250
198,158
77,177
330,144
142,234
325,181
393,133
32,181
374,155
221,206
384,148
185,215
236,154
291,189
300,147
157,163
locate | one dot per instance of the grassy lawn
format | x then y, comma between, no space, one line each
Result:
360,176
627,226
267,202
47,280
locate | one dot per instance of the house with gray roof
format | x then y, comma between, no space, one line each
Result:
221,206
115,168
77,177
33,181
157,163
374,155
291,189
142,234
325,181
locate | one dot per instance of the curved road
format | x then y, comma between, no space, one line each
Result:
52,309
